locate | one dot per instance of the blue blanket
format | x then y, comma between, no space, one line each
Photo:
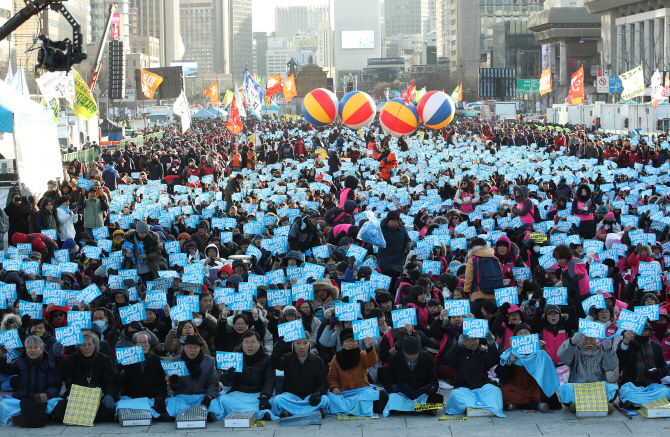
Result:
567,392
294,405
539,366
176,404
239,401
400,402
11,407
640,395
357,402
489,397
144,404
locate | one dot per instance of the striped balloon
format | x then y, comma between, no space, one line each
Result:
436,109
357,109
398,119
319,107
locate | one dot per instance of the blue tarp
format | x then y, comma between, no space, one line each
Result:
203,113
22,109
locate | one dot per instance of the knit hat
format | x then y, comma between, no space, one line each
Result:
258,237
289,310
609,217
521,326
602,209
345,334
411,345
392,215
62,200
69,244
141,227
183,236
350,206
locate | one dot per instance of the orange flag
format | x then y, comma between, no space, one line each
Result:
213,92
576,96
289,88
273,86
545,82
234,123
408,96
150,82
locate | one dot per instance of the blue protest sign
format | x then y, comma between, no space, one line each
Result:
649,311
276,276
225,295
129,355
242,302
601,285
302,291
598,300
69,335
180,313
592,329
88,294
132,313
380,281
54,296
281,297
227,360
314,271
547,261
525,344
521,273
10,339
347,312
630,321
556,295
155,300
403,317
475,328
291,331
174,368
597,270
457,307
506,295
33,309
82,319
432,268
365,328
100,233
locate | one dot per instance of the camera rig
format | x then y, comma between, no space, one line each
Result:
53,55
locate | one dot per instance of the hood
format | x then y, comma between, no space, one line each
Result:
18,237
118,232
9,318
323,285
351,182
521,193
481,251
226,269
579,196
212,246
512,249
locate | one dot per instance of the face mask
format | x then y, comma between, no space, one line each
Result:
643,339
536,249
607,227
197,322
101,324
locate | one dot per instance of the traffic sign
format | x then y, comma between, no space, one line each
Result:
603,84
615,84
528,86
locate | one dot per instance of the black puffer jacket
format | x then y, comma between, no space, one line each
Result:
257,375
96,371
471,366
145,379
301,379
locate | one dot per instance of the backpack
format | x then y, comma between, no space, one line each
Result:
487,275
336,216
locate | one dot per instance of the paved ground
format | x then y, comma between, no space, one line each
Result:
517,424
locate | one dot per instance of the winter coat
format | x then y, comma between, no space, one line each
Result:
628,363
145,379
301,379
232,187
392,257
93,211
155,171
72,370
34,376
422,375
303,235
66,221
110,176
356,377
151,250
45,220
206,384
257,375
481,252
585,368
227,340
333,294
471,366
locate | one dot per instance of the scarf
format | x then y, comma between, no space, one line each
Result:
193,365
645,360
348,358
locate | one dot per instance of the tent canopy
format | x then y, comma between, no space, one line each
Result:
17,111
203,113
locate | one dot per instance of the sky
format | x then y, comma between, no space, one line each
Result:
263,12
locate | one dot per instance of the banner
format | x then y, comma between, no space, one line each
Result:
253,94
238,98
273,85
576,96
545,82
408,95
632,83
228,98
85,107
234,123
457,95
181,109
657,90
150,82
289,88
56,85
213,93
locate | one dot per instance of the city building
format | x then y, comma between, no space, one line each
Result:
157,19
358,36
241,37
6,44
99,13
405,17
205,32
325,56
277,55
260,53
290,20
445,31
146,45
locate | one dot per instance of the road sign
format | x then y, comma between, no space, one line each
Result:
603,84
528,86
615,84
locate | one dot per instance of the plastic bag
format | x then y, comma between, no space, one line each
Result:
371,231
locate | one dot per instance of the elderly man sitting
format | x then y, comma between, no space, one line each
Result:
588,363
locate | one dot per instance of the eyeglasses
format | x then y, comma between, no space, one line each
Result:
350,340
141,342
87,345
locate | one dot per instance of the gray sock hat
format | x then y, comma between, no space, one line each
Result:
142,227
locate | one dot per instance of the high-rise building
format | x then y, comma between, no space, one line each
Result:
241,37
445,30
405,16
205,33
157,19
260,53
290,20
277,55
325,55
99,12
358,34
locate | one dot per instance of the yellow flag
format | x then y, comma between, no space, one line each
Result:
85,107
150,82
228,98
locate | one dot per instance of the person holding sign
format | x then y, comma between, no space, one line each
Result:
554,327
411,378
575,277
146,251
508,255
93,207
348,375
252,386
527,381
642,365
583,207
508,318
37,383
145,379
88,367
174,341
201,379
305,379
229,339
588,363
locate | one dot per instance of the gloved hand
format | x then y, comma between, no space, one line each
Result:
264,403
315,399
637,248
577,338
333,322
462,339
607,345
58,350
174,382
653,373
175,324
490,339
593,312
351,261
108,401
25,320
504,308
230,372
41,398
206,401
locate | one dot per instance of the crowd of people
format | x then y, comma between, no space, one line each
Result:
291,270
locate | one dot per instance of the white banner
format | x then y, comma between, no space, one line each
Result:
181,109
632,83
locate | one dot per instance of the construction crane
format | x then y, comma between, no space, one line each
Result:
97,65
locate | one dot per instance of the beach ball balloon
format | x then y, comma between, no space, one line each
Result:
436,109
398,119
357,109
319,107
